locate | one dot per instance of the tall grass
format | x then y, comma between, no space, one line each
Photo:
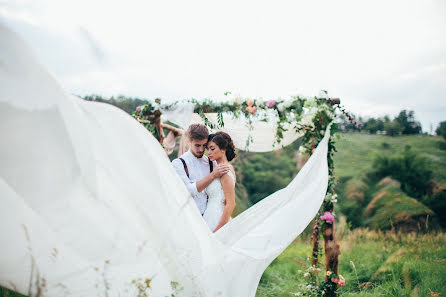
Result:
373,264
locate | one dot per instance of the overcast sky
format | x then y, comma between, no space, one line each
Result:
379,57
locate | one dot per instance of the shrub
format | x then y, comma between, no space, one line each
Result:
438,204
385,145
442,145
352,206
411,170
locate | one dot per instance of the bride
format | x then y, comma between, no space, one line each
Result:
221,192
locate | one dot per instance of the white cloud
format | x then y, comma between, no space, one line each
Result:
378,56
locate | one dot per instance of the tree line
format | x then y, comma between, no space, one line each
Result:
404,123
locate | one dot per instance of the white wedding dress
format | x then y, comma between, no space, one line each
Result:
216,202
90,205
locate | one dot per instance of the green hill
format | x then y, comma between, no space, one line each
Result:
356,152
390,208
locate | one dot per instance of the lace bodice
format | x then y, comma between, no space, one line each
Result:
216,202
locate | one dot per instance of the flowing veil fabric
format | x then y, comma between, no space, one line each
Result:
90,205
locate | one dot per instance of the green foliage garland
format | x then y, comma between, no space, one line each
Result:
286,113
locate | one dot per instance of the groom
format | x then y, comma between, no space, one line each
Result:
195,169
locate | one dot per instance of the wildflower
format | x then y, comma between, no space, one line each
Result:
270,103
306,274
341,281
328,273
328,217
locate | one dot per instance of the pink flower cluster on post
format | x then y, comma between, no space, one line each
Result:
328,217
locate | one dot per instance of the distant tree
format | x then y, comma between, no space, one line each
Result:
265,173
412,171
345,125
441,129
373,125
127,104
393,128
407,120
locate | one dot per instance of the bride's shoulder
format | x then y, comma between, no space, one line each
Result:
231,173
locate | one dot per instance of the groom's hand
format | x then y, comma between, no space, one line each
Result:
220,170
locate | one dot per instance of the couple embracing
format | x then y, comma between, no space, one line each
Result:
210,179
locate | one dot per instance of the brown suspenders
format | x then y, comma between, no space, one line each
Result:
185,167
211,167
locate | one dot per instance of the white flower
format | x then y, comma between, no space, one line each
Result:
310,103
281,106
288,103
306,274
260,101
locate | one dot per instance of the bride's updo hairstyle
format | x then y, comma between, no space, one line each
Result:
224,142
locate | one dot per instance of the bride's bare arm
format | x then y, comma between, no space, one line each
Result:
228,188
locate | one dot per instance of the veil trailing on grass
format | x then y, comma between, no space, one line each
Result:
90,205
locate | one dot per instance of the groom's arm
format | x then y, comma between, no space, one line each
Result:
217,172
195,187
179,168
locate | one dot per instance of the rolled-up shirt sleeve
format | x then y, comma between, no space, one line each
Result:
179,168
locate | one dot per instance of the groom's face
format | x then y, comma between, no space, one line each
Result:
198,147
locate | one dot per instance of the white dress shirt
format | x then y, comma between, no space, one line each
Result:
198,169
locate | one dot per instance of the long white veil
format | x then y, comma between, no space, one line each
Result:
90,205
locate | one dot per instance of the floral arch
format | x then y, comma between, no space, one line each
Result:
289,119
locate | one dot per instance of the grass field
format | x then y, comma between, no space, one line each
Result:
356,152
372,263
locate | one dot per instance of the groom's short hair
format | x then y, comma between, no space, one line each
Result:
197,132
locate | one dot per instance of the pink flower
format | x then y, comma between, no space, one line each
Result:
270,103
251,109
339,281
249,102
328,217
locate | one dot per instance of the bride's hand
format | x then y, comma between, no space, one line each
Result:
220,170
